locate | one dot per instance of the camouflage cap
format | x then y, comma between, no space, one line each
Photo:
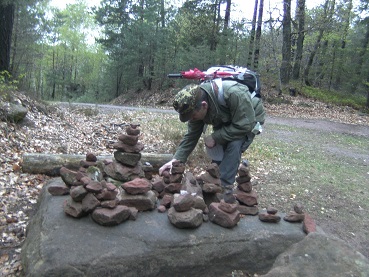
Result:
185,101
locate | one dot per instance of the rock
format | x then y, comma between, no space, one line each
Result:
199,203
94,187
185,220
87,164
123,173
78,193
319,255
246,187
69,177
246,210
207,178
110,204
73,209
166,201
249,199
294,217
111,217
219,217
190,185
243,179
137,186
132,131
211,188
298,208
58,189
244,170
128,248
173,188
128,148
158,184
90,157
271,218
228,207
94,173
129,159
308,225
175,178
128,139
183,203
178,168
106,194
89,203
134,213
13,112
142,202
272,210
162,209
213,170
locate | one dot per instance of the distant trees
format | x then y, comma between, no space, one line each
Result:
140,41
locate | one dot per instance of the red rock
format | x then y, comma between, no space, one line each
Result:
227,207
94,186
178,168
110,204
106,194
185,220
246,187
244,170
132,132
175,178
246,210
294,217
78,193
111,217
308,225
128,139
73,209
162,209
298,208
272,210
142,202
243,179
219,217
129,159
90,157
270,218
85,180
183,203
134,213
213,170
173,188
89,203
128,148
158,184
69,177
211,188
58,189
167,200
207,178
249,199
137,186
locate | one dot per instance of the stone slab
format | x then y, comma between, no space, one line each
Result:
59,245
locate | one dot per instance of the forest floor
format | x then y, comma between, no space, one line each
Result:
331,179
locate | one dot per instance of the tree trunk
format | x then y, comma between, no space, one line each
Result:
6,29
50,164
300,17
258,35
252,35
286,46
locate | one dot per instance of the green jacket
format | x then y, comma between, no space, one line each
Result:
231,121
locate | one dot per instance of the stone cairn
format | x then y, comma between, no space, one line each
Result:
112,191
181,196
244,193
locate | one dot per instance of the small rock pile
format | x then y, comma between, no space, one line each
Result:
127,165
244,193
181,195
224,214
270,215
111,191
183,213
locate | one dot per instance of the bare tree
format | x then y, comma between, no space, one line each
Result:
252,35
7,11
286,46
300,17
258,35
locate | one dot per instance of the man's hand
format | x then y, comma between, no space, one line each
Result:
166,166
209,141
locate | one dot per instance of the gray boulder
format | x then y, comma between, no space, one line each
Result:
320,255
